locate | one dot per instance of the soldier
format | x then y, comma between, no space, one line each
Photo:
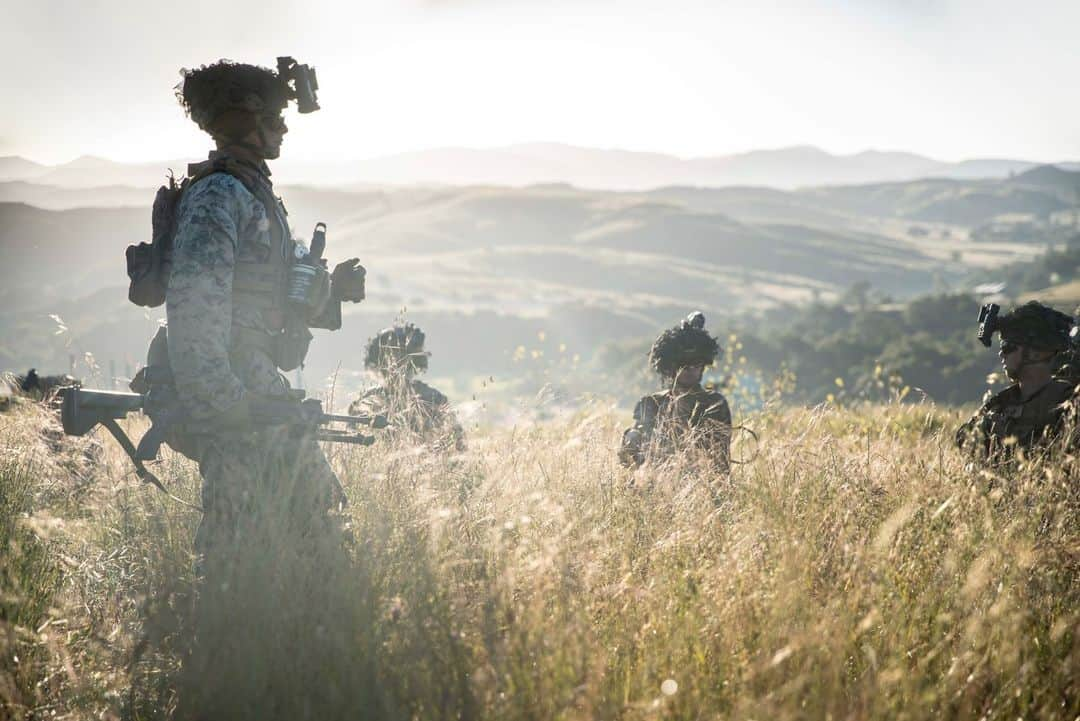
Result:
684,415
397,354
40,387
238,309
1031,412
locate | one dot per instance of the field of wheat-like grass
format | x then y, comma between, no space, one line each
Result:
854,568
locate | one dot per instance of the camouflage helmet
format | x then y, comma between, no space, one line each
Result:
224,98
399,345
687,344
1036,326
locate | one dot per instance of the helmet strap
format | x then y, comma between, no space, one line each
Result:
256,149
237,135
260,131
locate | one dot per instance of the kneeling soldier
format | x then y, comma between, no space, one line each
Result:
397,354
684,415
1031,412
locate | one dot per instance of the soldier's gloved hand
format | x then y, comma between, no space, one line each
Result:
347,281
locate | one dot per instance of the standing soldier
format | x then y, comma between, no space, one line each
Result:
397,355
1031,412
684,415
241,296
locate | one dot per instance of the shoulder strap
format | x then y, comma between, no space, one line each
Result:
252,179
648,408
714,404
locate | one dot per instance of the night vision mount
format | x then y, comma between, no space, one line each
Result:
988,323
696,319
302,83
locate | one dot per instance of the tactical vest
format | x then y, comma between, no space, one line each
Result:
687,410
669,420
258,284
1006,415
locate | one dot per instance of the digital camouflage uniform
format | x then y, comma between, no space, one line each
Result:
1007,422
424,411
411,406
677,420
220,346
273,577
669,422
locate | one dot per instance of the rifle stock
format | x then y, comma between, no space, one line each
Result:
82,409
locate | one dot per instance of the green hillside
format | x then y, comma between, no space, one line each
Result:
488,270
962,203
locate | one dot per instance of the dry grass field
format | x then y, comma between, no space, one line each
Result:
853,569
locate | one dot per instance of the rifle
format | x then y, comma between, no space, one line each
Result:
82,409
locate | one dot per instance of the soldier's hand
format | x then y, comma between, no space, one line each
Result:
347,281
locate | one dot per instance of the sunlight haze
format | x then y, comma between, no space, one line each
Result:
949,79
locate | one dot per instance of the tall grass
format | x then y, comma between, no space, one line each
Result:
854,569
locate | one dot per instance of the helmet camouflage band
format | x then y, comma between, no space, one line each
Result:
687,344
211,92
1036,326
400,345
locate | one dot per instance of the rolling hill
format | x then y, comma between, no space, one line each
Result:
488,269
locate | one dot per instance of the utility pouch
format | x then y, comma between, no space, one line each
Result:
291,345
145,287
149,264
309,288
307,295
319,293
156,372
162,404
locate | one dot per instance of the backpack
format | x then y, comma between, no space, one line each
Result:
149,264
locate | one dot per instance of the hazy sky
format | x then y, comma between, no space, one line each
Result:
948,78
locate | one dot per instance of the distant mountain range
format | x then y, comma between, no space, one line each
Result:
537,163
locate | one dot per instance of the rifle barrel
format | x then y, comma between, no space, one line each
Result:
376,421
333,436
